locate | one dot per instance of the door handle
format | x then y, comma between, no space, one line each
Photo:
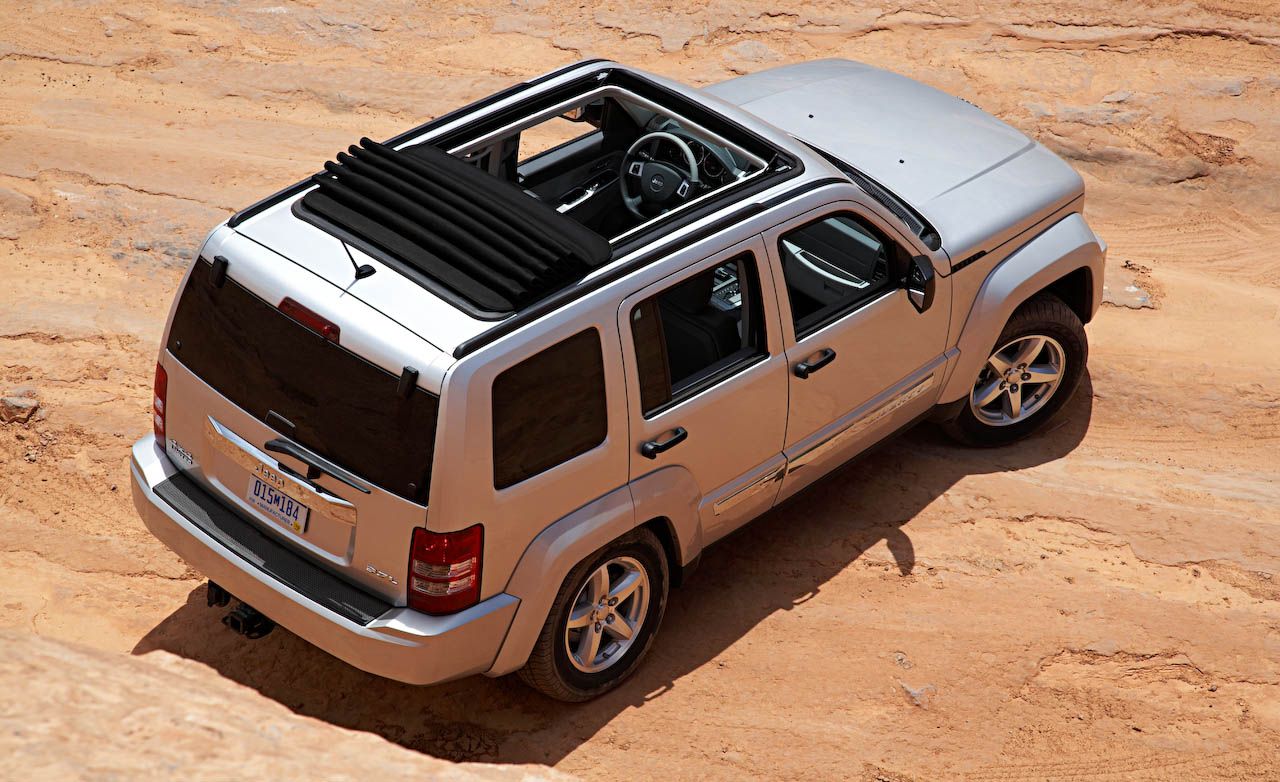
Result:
806,368
652,448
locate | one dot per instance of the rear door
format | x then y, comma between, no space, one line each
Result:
863,360
326,442
706,383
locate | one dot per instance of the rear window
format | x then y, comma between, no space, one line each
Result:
548,409
343,407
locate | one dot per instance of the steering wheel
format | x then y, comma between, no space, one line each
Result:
650,186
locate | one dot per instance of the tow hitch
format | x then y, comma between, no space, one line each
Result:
246,621
244,618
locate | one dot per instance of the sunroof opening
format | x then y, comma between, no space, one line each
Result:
612,160
525,201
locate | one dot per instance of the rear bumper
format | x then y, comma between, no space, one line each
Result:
399,644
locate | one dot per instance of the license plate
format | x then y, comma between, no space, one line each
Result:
278,505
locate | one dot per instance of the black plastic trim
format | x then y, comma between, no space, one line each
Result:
218,273
408,381
976,256
782,198
245,540
268,202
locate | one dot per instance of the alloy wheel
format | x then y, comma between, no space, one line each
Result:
607,615
1018,380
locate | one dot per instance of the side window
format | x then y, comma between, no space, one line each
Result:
832,266
698,332
548,409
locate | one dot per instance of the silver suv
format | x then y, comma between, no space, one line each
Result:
474,399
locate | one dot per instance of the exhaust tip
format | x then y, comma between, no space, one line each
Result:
247,621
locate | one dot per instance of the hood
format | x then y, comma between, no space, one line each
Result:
925,146
911,138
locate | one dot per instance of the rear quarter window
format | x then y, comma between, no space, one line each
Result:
548,409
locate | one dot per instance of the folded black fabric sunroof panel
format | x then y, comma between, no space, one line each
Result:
476,235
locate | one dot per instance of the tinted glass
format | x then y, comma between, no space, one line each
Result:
832,266
697,332
548,409
343,407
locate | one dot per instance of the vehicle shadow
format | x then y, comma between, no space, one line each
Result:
786,556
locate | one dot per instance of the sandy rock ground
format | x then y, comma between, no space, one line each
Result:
1100,602
98,715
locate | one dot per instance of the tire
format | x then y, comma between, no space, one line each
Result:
1046,316
556,672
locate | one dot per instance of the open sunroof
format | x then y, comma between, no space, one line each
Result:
454,227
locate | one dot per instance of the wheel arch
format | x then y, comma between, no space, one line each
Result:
1066,260
1076,291
665,531
665,501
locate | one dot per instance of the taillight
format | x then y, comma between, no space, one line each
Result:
158,399
444,570
317,323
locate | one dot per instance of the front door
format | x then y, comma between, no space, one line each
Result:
707,383
864,360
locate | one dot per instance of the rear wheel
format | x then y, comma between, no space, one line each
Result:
603,620
1032,371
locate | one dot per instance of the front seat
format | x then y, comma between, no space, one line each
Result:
697,333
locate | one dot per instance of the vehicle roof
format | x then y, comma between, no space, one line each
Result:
273,222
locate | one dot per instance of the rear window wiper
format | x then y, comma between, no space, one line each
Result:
316,462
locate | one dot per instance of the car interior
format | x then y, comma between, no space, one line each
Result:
830,265
612,164
695,329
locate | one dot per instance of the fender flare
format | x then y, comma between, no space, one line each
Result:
560,547
672,494
1066,246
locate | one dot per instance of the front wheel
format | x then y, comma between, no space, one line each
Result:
1034,368
602,621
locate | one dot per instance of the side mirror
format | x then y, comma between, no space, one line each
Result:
920,283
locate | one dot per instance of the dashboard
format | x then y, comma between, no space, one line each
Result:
726,291
716,167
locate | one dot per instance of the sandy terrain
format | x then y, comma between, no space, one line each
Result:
99,715
1101,602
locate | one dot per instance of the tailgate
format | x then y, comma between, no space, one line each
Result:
325,444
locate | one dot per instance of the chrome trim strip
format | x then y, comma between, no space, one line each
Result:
860,425
235,448
750,490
